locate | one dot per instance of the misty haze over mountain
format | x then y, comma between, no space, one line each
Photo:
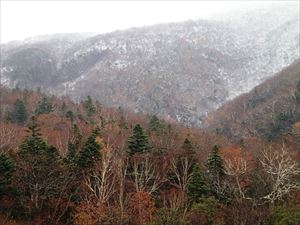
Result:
150,113
178,71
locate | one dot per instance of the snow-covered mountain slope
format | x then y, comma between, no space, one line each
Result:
180,70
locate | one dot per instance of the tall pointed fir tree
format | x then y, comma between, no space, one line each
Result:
6,173
89,106
34,145
70,115
44,106
216,174
197,187
138,142
186,159
39,171
187,147
90,152
215,164
19,113
297,92
154,124
71,152
74,143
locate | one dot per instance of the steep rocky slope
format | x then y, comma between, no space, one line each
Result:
179,71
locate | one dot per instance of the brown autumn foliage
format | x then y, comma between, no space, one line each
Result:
11,136
238,165
6,221
172,198
107,194
141,208
88,213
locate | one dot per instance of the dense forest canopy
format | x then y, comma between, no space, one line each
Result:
82,163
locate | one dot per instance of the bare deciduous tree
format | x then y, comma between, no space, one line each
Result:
237,168
281,169
121,173
146,177
8,136
236,165
181,167
101,181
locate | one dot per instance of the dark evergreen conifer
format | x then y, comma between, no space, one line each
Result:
73,143
34,145
216,175
90,152
89,106
215,164
6,173
187,147
138,142
297,92
197,187
44,106
71,152
39,169
19,113
70,115
154,124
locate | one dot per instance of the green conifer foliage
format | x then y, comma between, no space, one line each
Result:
215,164
297,93
39,170
44,106
138,142
216,175
6,173
70,115
71,152
187,146
19,113
34,144
154,124
89,106
90,152
74,143
197,187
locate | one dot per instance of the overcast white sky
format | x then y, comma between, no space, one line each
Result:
21,19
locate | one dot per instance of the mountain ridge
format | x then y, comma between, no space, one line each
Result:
180,70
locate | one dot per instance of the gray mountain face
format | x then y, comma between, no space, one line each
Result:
178,71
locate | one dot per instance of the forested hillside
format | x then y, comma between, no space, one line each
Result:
177,70
85,164
268,111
